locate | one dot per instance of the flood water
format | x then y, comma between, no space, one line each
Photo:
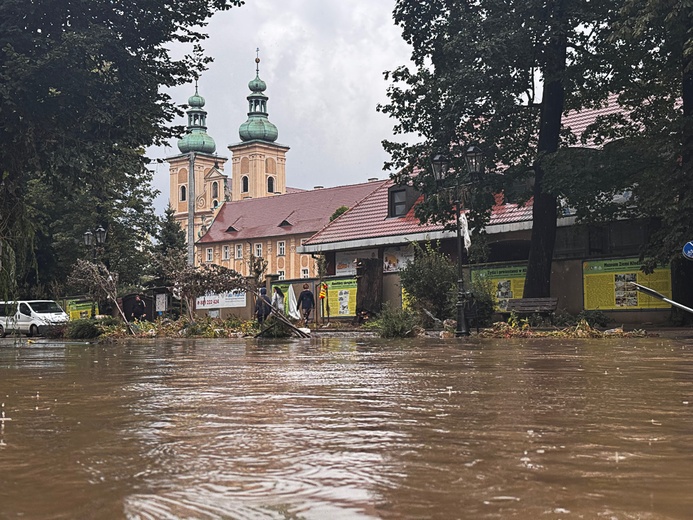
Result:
344,428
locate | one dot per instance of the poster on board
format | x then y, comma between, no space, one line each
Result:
396,258
341,297
346,260
606,285
507,282
221,301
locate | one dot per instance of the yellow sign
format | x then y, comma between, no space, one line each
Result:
606,285
341,297
507,282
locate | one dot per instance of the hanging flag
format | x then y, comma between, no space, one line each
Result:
464,227
293,304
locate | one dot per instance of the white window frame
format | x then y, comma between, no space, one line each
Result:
282,275
226,252
281,248
258,250
210,254
239,251
305,272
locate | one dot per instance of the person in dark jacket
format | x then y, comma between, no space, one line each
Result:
306,302
263,306
139,309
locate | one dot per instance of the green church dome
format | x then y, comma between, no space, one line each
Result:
196,139
257,127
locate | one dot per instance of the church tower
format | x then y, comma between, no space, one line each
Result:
258,163
198,185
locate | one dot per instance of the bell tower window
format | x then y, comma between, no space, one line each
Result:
183,194
270,184
245,184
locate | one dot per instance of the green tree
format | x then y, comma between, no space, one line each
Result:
430,280
83,93
170,244
499,74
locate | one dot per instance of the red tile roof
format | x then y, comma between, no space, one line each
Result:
369,219
578,122
301,212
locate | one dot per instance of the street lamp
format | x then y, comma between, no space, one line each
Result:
474,160
94,240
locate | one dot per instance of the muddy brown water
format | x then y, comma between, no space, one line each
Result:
347,429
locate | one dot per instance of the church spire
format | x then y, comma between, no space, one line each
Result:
257,127
196,139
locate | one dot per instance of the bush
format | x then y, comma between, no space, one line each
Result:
593,318
430,280
395,322
83,329
482,292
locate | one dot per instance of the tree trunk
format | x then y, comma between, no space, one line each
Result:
369,287
544,212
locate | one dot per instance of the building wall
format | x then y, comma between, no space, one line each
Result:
257,161
292,264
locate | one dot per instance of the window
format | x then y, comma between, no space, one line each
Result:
281,248
183,193
270,185
398,203
210,254
239,251
258,250
215,190
226,253
282,275
305,273
244,184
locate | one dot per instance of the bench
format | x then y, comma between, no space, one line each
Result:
528,306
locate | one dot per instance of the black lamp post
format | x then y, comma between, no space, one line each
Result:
474,161
94,240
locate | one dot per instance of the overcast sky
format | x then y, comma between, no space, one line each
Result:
323,62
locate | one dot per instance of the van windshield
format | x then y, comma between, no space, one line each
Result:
45,307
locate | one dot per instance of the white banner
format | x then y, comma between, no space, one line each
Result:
346,261
221,301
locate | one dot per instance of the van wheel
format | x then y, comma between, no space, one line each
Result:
33,331
2,332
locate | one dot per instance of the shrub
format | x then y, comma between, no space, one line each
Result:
83,329
482,292
429,280
395,322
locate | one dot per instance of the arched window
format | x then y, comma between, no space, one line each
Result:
215,190
244,184
270,184
183,194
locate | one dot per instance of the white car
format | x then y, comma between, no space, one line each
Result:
30,317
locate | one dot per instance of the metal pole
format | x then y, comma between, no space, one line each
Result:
191,210
462,329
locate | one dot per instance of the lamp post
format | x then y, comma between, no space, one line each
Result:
94,240
440,164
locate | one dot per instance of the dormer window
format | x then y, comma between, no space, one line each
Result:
398,203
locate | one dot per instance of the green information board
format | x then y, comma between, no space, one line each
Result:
606,285
507,281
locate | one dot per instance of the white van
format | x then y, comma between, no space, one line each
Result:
30,317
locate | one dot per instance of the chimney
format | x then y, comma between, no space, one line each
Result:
372,179
318,187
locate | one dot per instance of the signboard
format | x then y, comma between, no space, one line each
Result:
346,261
161,303
80,309
688,250
606,285
396,258
507,282
221,301
341,297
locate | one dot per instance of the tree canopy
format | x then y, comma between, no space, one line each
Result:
83,95
503,74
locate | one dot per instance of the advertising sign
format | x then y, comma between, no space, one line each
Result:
346,261
607,285
341,296
508,282
221,301
396,258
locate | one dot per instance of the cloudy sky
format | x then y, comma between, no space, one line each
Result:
322,61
